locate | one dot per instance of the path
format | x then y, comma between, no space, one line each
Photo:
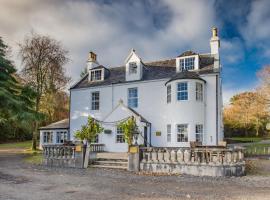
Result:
20,181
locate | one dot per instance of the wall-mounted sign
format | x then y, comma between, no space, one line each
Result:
158,133
107,131
78,148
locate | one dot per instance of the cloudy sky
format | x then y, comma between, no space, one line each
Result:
157,29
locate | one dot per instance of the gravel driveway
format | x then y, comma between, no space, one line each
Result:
19,180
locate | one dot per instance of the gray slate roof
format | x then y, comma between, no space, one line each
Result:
185,75
63,124
152,70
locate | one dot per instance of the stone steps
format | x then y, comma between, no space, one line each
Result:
108,167
110,163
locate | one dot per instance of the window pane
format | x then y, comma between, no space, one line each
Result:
199,92
182,64
182,91
182,133
199,132
169,134
120,136
169,93
132,68
133,97
95,101
189,63
96,75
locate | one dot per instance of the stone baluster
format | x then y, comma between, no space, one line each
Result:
235,156
154,156
240,155
173,156
229,157
197,158
149,155
187,155
160,155
143,156
167,156
203,157
180,156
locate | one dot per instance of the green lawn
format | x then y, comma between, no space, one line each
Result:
245,139
24,145
257,149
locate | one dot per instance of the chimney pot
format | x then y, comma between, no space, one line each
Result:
214,32
92,56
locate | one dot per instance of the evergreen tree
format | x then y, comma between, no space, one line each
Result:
16,100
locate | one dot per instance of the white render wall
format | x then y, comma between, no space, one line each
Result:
152,105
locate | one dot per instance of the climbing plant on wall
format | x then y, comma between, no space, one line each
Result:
89,131
129,128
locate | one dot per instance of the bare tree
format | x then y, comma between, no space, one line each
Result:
43,59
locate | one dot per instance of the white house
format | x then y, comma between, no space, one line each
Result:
174,101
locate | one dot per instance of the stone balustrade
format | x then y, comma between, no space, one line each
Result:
195,161
62,156
59,151
96,147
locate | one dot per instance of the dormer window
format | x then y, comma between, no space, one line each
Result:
187,63
96,75
133,68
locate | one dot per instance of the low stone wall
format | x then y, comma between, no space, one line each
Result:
63,156
193,161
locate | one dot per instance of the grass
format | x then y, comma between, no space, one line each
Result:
245,139
24,145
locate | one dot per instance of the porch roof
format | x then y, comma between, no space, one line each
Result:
63,124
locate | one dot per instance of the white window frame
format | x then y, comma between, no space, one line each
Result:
61,137
133,99
179,91
96,75
199,132
182,132
133,68
95,102
47,137
169,93
199,91
119,137
187,63
169,133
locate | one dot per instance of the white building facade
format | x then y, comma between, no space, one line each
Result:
174,101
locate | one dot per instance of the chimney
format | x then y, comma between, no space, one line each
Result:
92,56
92,61
214,42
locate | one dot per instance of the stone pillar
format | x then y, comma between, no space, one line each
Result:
134,159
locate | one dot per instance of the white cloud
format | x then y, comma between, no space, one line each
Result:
257,29
112,29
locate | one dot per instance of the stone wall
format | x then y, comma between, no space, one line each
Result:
194,161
